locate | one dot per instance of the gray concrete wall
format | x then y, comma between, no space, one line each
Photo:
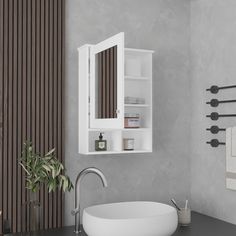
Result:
161,25
213,58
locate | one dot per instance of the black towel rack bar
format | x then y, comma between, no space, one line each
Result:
215,129
216,102
215,143
216,116
215,88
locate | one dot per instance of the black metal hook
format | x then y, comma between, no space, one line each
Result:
215,143
216,116
215,129
215,88
216,102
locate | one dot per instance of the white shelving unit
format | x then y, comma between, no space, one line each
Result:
136,82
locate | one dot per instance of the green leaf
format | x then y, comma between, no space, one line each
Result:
46,167
50,152
53,173
24,168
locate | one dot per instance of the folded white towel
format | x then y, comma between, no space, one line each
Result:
230,158
233,141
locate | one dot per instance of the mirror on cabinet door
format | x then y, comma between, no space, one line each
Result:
106,83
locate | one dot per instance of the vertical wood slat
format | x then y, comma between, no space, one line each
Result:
5,105
1,106
29,83
111,88
51,92
107,83
37,79
61,104
14,107
46,105
42,85
103,84
59,95
25,209
9,108
55,100
31,102
115,81
20,209
99,90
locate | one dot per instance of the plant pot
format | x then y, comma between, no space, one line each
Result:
34,212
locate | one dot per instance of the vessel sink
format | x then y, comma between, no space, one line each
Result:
130,219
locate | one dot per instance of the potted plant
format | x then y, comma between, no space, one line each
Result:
42,169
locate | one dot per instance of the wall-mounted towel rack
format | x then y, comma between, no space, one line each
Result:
215,129
215,88
216,102
216,116
215,143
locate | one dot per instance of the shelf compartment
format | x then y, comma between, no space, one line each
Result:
113,138
138,63
141,90
142,140
145,115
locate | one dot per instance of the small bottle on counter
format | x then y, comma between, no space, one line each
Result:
101,144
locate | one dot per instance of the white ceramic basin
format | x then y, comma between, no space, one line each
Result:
130,219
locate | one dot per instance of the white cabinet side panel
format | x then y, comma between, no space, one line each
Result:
83,96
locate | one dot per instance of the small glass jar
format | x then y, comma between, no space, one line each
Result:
184,216
128,144
132,120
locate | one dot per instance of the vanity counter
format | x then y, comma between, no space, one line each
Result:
201,226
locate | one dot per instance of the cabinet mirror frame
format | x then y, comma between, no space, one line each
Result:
112,116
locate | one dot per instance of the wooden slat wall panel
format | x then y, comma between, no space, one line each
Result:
31,102
1,106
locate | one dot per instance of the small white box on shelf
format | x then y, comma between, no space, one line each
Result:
133,66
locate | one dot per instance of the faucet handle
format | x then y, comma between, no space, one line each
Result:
75,211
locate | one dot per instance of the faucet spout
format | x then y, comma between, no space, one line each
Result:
76,212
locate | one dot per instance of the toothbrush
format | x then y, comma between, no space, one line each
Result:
186,205
175,204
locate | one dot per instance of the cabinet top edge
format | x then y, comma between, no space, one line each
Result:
126,49
84,46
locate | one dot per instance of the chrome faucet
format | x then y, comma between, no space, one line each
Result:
76,212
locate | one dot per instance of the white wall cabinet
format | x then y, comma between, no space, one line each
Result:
114,83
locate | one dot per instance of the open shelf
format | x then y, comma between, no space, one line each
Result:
135,129
137,78
117,152
137,50
102,129
123,129
137,105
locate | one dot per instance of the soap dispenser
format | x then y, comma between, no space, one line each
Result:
101,144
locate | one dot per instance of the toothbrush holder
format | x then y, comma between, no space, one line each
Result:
184,216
